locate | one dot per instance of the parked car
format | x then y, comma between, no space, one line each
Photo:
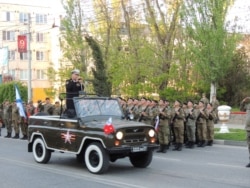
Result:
97,135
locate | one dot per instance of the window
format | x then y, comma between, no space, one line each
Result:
41,18
23,56
12,73
7,16
39,56
41,74
39,37
23,17
23,74
11,54
8,35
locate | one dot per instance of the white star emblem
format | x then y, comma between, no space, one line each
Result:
68,137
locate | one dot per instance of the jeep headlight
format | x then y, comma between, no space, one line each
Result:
119,135
151,133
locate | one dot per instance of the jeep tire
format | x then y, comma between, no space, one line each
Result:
141,160
40,152
96,158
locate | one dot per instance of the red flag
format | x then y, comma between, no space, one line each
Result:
22,43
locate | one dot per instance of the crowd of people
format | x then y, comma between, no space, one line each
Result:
12,120
186,123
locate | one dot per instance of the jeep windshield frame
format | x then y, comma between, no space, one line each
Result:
86,107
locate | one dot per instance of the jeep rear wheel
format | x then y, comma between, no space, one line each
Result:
40,152
141,160
96,158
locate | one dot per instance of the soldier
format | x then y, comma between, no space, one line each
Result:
24,122
56,108
48,107
7,118
143,111
15,117
215,103
129,112
73,87
177,118
164,116
245,106
202,124
30,109
204,99
210,124
191,115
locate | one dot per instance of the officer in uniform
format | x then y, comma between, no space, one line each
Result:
245,106
177,118
73,86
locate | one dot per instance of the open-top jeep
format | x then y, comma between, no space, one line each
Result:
97,135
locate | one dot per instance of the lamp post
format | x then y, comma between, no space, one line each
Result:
29,60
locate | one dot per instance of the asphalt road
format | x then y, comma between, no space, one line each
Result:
217,166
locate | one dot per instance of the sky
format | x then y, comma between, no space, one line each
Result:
240,10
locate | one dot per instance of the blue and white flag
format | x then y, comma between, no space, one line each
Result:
19,103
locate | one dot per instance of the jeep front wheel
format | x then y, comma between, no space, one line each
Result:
141,160
96,158
40,152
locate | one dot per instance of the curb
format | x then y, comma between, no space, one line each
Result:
231,143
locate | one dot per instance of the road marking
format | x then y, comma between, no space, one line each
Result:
225,165
170,159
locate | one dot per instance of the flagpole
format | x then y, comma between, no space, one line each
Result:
29,61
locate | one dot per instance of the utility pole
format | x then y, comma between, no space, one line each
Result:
29,60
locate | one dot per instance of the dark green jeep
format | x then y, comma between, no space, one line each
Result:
96,135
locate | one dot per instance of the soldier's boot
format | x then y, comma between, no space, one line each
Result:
187,145
176,147
180,147
248,165
0,131
203,143
210,143
160,149
8,135
165,148
191,146
199,144
16,136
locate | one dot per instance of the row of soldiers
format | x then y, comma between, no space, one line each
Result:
187,123
12,120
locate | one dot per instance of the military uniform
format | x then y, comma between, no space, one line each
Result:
15,117
178,116
163,131
210,127
191,115
7,119
202,126
245,106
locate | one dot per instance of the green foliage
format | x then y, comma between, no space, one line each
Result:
102,86
7,91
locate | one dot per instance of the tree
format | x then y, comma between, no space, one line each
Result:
102,86
212,46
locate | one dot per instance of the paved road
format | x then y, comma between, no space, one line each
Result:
217,166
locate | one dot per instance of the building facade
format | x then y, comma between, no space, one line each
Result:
37,23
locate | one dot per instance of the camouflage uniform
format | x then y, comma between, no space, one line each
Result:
210,126
7,118
163,131
15,117
245,106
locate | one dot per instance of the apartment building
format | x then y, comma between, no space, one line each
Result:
36,22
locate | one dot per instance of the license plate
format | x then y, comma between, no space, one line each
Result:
139,148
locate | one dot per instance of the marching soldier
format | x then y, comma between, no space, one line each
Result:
178,117
129,111
7,118
202,124
191,115
143,111
215,104
210,124
164,116
204,99
15,117
245,107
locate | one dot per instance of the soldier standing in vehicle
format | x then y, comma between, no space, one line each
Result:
178,117
73,87
245,107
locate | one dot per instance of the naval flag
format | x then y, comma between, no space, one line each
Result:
19,103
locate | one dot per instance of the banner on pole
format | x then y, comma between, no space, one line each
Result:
22,43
